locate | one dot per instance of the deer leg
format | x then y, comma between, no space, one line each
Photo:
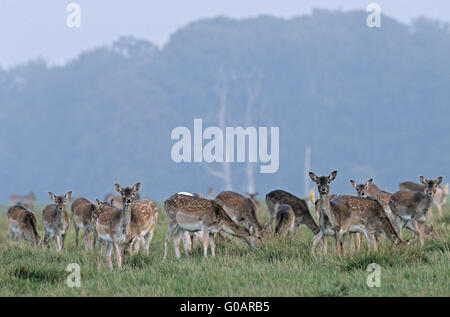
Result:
108,255
344,240
205,234
46,237
168,236
317,240
118,255
176,241
372,242
212,244
187,242
77,231
57,242
439,207
12,236
94,240
99,254
148,239
86,240
63,238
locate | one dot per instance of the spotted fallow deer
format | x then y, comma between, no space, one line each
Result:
144,213
285,220
414,206
116,200
23,222
82,210
187,213
352,214
240,209
56,220
277,198
440,196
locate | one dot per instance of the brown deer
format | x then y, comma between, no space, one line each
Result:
23,222
414,205
440,196
187,213
56,220
144,213
285,220
240,209
82,210
352,214
302,216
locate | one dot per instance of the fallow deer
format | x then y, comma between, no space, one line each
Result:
116,200
440,196
414,205
56,220
285,220
240,209
23,222
302,216
186,213
82,210
352,214
144,213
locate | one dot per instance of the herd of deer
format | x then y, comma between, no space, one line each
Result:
126,222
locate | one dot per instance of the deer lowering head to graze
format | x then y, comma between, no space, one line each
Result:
22,222
27,201
440,196
82,210
414,205
144,214
187,213
365,215
241,209
56,220
302,216
285,220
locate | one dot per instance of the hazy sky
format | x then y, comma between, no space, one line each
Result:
32,29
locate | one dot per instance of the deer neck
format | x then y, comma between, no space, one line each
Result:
325,208
426,203
233,229
125,218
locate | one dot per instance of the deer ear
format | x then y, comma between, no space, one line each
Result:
332,176
68,195
369,183
352,182
313,176
118,187
98,201
423,180
439,181
137,186
52,197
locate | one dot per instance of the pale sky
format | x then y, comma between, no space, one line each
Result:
37,29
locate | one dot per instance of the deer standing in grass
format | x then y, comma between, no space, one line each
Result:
285,220
414,205
350,214
23,222
277,198
82,210
187,213
56,220
439,197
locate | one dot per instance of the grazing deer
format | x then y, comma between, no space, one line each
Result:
440,196
144,214
302,216
285,220
82,210
23,222
56,220
240,209
352,214
27,201
414,205
186,213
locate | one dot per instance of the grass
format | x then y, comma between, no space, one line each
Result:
283,267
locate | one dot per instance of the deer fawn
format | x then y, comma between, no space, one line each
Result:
56,220
82,210
439,197
353,214
186,213
414,205
240,209
23,222
285,220
302,216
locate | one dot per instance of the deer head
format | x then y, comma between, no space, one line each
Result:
323,182
362,189
60,201
430,185
128,193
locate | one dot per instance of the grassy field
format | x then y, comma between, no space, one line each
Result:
283,267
